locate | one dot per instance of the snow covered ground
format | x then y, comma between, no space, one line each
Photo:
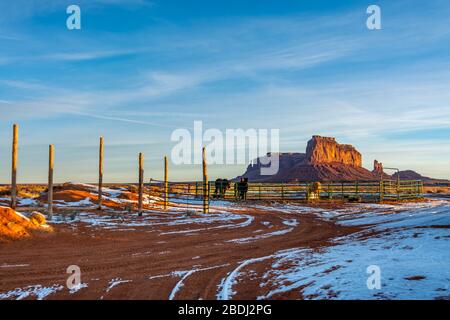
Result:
409,243
126,222
38,292
410,246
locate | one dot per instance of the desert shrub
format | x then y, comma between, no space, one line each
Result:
38,219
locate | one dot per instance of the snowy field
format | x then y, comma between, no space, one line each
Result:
409,243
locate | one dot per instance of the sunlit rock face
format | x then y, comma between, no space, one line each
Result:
321,150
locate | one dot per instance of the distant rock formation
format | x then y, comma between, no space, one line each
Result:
287,161
377,167
321,150
324,160
378,170
412,175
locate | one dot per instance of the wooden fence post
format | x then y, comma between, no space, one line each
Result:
330,194
381,191
14,166
166,183
307,191
141,183
100,174
51,162
205,183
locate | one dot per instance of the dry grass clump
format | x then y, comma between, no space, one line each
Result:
38,219
24,190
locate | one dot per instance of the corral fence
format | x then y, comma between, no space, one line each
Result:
191,194
198,195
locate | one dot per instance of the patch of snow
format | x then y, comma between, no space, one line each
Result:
225,291
210,218
262,236
81,203
38,291
14,265
159,276
78,288
141,254
27,202
115,282
186,274
180,284
291,222
161,219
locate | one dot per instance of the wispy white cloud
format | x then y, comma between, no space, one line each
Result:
82,56
24,85
139,122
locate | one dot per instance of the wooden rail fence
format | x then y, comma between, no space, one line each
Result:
358,191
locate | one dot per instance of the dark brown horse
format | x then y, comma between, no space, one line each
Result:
221,187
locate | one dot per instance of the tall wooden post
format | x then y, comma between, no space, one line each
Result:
166,183
205,183
100,174
14,166
141,183
51,161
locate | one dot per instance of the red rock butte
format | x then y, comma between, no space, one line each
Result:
325,160
322,150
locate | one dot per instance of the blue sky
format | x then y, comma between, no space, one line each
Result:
139,69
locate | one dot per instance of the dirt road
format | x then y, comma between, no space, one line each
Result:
161,255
